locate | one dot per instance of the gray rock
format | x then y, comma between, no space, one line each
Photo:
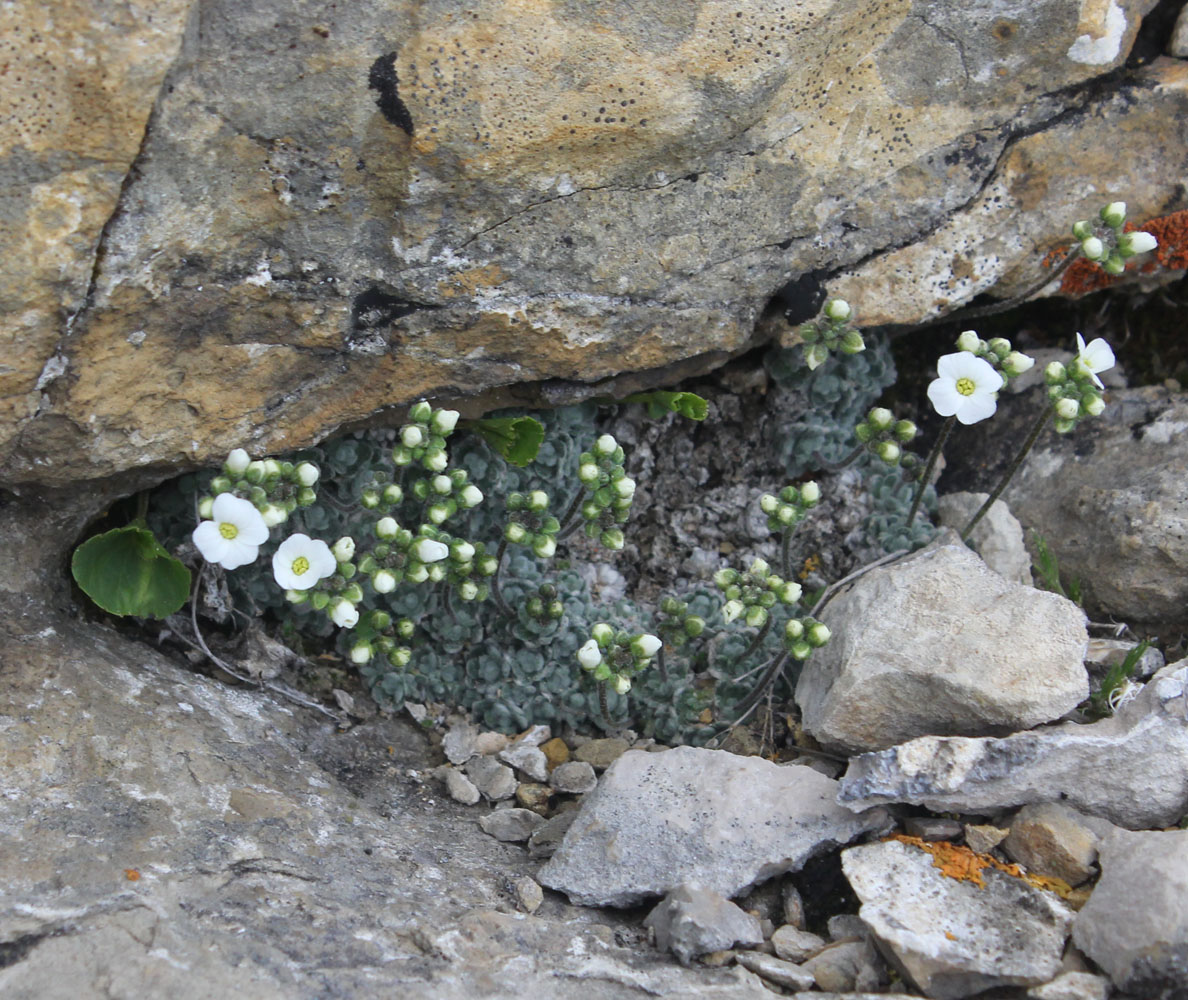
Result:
846,927
1105,653
496,781
984,837
238,845
512,825
794,945
775,970
690,921
847,966
658,820
1103,769
1072,986
459,742
601,753
490,742
1119,523
954,938
528,759
930,645
1051,839
1177,45
534,736
547,838
529,894
460,787
997,537
1135,925
575,777
793,904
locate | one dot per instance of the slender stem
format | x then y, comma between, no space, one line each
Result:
1036,430
833,588
759,637
786,551
933,456
661,663
500,603
831,467
748,704
602,705
448,603
569,520
141,505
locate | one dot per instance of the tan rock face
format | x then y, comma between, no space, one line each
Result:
332,212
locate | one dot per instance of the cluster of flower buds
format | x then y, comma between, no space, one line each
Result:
614,657
751,595
422,439
832,332
275,488
997,352
378,635
1074,390
402,556
311,571
803,635
884,436
790,506
529,523
676,625
1106,244
380,495
543,606
445,494
468,568
611,492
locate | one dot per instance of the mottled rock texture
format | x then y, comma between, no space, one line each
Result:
252,224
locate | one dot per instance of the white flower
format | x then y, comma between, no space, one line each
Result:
589,656
344,614
234,535
361,653
429,551
966,388
620,684
237,462
471,496
301,562
1094,358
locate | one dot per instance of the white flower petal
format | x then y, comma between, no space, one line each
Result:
977,407
244,515
944,397
300,562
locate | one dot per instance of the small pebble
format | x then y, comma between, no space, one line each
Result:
933,828
601,753
793,905
548,836
534,736
458,743
529,894
846,927
490,743
982,838
534,796
794,945
776,970
496,781
528,759
556,751
1072,986
511,825
576,777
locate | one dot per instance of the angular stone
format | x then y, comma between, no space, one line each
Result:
528,759
847,966
532,796
793,904
932,827
1103,654
458,744
490,743
496,781
776,970
930,645
460,787
556,751
1072,986
511,824
954,938
1135,925
726,823
547,838
601,753
982,838
1051,839
529,894
575,777
997,537
690,921
1103,769
794,945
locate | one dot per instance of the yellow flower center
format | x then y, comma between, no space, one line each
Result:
966,386
300,565
228,530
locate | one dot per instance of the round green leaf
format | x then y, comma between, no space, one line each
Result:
127,572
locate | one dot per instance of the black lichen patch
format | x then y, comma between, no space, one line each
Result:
374,309
382,79
801,298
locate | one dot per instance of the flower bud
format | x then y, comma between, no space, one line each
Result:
386,528
905,431
296,596
1055,373
416,573
361,653
1093,248
694,626
725,577
1139,242
438,513
768,503
1082,230
436,461
838,310
731,610
786,515
880,418
441,484
274,515
420,412
307,473
968,340
810,493
379,619
1063,426
384,582
515,533
544,546
645,646
344,614
852,342
625,487
620,684
1113,265
1016,363
815,356
800,650
461,551
237,462
401,455
612,539
444,421
605,445
1093,406
272,468
437,573
1067,409
1114,214
1000,347
889,452
470,496
206,508
400,656
254,473
538,500
589,656
588,472
468,591
344,549
429,551
817,634
789,592
793,629
759,568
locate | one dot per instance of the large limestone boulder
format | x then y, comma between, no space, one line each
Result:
253,223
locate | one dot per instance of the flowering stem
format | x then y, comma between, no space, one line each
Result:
999,307
759,637
933,456
1036,430
569,520
747,705
500,603
602,705
832,467
786,552
661,665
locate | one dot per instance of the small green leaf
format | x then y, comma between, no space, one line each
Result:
517,439
687,404
127,572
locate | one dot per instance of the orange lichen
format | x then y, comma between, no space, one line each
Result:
131,874
958,862
1083,276
1172,233
811,565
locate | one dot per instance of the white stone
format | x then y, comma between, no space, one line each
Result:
997,537
690,921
